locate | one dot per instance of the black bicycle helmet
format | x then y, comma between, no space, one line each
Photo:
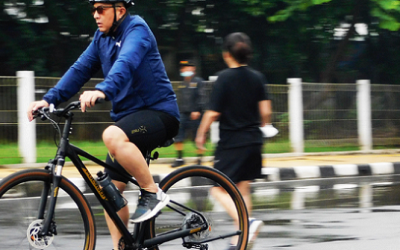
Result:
127,3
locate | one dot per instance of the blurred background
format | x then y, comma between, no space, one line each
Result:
329,44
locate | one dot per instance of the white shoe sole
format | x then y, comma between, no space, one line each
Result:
165,200
254,229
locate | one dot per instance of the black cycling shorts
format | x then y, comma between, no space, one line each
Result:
147,129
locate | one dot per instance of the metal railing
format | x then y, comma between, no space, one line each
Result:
330,114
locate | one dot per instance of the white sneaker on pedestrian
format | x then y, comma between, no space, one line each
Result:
254,229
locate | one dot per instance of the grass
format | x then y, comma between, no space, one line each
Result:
9,153
47,150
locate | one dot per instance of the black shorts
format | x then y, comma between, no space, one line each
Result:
241,163
147,129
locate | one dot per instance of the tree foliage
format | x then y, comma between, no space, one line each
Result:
291,38
44,36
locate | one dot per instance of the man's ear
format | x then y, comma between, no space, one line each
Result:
122,11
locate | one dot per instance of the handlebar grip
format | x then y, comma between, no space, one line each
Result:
100,100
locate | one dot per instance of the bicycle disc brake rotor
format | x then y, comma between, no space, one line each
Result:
193,220
36,241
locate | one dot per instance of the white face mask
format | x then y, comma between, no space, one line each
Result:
187,73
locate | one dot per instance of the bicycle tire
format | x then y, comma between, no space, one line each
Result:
19,201
202,179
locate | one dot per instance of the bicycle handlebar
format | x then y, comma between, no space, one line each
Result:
43,112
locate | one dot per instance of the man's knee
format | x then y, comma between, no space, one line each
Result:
112,136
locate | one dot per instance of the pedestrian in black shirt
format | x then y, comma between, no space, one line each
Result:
190,101
240,101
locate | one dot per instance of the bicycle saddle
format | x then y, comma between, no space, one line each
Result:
167,143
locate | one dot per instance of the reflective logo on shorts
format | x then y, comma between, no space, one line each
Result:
141,129
111,157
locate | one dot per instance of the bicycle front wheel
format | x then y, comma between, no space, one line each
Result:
199,188
20,222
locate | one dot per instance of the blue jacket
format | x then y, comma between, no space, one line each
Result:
135,76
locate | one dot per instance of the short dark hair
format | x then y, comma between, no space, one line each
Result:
238,44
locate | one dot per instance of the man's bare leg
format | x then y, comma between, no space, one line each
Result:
123,214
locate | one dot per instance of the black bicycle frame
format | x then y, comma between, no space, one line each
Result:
65,149
138,238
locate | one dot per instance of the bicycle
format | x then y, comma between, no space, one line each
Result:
46,210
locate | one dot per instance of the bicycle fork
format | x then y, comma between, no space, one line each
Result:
49,227
55,166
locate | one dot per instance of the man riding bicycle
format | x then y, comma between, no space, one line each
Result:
144,105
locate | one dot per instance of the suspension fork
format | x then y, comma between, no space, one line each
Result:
57,176
43,200
48,220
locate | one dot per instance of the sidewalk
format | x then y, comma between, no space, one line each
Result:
276,166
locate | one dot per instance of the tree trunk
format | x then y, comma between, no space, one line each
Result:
330,71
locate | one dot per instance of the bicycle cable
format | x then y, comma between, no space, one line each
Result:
55,126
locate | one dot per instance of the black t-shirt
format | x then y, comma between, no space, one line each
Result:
236,95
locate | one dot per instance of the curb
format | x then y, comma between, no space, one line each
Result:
304,172
330,171
273,174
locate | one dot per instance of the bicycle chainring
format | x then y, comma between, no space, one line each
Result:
35,240
123,246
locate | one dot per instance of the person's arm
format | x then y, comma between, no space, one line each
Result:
198,107
134,48
76,76
199,95
208,118
265,108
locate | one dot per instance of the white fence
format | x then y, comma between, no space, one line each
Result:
296,110
358,114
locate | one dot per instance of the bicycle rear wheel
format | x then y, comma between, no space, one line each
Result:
194,187
20,196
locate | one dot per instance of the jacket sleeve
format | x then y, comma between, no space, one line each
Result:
134,48
77,75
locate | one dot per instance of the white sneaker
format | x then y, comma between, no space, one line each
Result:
254,229
149,205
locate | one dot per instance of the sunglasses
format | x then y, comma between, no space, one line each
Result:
100,9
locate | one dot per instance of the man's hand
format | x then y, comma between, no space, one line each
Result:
200,141
35,106
89,98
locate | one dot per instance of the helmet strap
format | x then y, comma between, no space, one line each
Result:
116,23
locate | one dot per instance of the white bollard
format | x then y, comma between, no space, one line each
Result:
296,129
364,121
26,129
